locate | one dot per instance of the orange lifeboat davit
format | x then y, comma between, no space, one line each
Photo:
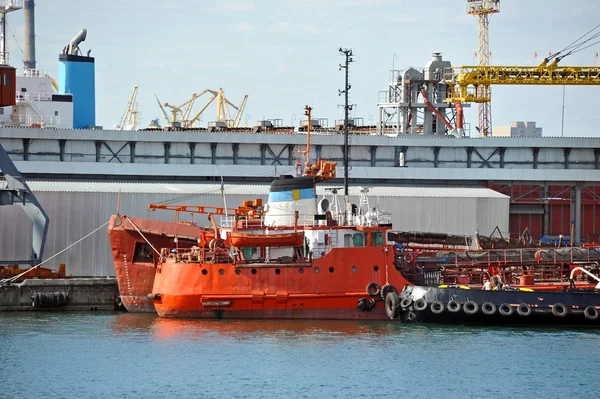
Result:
295,239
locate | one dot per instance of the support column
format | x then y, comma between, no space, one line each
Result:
98,146
501,152
436,154
597,158
167,146
235,147
192,153
263,152
290,154
546,226
567,152
373,151
469,156
535,152
577,234
61,146
213,153
132,151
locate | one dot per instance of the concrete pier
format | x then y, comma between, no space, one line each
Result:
73,294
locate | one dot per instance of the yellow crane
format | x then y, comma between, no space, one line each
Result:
162,110
223,112
129,119
189,123
465,80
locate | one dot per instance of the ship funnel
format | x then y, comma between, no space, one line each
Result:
74,43
29,25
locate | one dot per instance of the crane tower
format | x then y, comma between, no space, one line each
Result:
482,9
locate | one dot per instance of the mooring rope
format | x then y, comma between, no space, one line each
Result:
10,280
143,236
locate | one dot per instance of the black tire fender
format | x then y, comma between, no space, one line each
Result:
420,304
392,305
559,310
524,310
505,309
453,306
387,289
406,302
591,313
437,307
488,308
471,307
373,289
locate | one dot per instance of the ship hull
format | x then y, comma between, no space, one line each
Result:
526,308
328,288
135,260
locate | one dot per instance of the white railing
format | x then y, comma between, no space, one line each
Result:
29,96
33,120
309,220
37,73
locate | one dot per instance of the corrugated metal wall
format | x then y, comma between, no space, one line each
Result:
75,214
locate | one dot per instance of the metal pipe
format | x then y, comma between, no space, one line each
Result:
74,43
435,111
29,27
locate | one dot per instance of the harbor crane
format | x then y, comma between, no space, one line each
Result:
482,10
465,81
129,119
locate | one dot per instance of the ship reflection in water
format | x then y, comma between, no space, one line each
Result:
304,330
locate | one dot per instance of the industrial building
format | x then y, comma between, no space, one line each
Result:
77,208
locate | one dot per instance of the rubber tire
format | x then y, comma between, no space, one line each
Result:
506,310
453,306
406,302
387,289
489,309
437,307
372,286
593,315
420,304
524,310
559,310
363,304
392,305
471,307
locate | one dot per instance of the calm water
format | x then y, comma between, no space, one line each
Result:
58,355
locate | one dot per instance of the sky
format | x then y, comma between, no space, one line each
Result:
284,54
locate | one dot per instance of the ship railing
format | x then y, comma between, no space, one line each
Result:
35,120
288,220
35,96
37,73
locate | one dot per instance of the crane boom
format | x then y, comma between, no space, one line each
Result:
162,109
129,119
238,115
465,79
190,123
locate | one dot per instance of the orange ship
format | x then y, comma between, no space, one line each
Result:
135,243
292,258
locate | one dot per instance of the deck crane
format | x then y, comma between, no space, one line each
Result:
223,113
130,116
464,81
189,123
162,109
175,110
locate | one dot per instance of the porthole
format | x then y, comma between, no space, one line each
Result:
221,272
277,271
204,272
331,269
353,269
316,270
301,270
237,271
253,271
376,268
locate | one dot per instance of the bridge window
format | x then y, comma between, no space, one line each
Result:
359,240
377,238
347,240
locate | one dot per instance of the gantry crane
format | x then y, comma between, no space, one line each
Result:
223,113
482,9
130,116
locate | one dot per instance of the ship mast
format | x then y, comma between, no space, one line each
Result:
348,59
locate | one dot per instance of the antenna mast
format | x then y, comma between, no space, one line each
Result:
347,53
